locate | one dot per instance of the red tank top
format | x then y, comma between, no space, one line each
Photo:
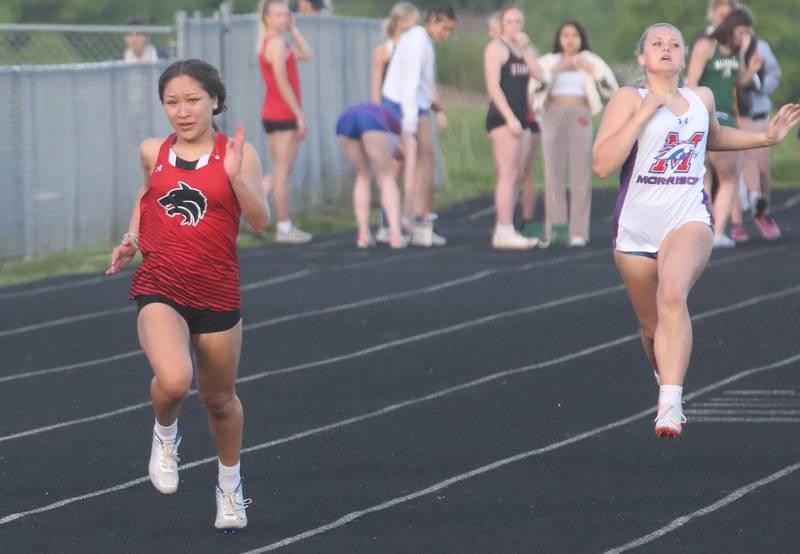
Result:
275,107
188,224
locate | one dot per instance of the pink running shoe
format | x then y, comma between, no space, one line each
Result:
767,227
738,233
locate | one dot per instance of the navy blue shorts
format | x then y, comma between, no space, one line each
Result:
651,255
353,124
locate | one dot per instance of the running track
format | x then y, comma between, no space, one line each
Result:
425,401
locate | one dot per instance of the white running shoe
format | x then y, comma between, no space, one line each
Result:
670,420
437,239
723,241
383,235
513,241
577,242
231,508
292,236
163,467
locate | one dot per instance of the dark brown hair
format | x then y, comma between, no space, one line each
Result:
737,18
581,31
202,72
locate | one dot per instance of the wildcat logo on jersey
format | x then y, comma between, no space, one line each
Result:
676,154
185,201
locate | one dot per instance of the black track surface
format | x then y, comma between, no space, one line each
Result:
507,410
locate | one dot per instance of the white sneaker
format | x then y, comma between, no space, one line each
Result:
577,242
231,508
514,241
383,235
723,241
437,239
163,467
292,236
670,420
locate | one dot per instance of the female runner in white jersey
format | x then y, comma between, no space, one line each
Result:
658,135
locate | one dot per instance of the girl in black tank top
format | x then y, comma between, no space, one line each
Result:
509,63
514,77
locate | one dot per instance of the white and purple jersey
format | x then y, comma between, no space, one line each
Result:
662,179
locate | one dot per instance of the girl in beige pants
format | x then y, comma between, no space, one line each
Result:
567,146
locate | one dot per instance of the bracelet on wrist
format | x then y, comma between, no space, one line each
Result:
133,238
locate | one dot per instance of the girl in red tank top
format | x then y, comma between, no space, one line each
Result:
185,220
282,115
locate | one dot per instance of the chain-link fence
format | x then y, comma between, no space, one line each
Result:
62,44
69,157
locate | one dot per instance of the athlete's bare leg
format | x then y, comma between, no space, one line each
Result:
217,363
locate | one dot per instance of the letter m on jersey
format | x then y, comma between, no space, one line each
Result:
676,154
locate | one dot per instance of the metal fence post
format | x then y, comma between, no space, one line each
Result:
224,14
180,34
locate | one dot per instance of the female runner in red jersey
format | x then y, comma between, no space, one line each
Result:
185,220
282,114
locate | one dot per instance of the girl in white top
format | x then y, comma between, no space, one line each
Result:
567,96
664,238
403,16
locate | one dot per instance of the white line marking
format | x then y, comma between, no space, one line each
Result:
307,272
328,310
352,516
778,392
710,412
279,279
446,330
439,394
63,424
787,204
478,215
59,369
776,405
705,419
65,321
62,286
711,508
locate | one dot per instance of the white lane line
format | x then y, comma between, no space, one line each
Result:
328,310
65,321
279,279
710,509
116,311
374,300
718,412
733,419
305,273
63,424
777,392
775,405
63,286
352,516
433,396
59,369
458,327
478,215
787,204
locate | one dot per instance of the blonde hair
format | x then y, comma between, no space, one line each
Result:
400,12
714,4
640,49
263,9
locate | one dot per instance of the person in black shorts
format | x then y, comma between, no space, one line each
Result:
509,62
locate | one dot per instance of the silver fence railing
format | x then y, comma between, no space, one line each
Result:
69,165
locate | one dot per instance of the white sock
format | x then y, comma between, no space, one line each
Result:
503,230
670,395
228,477
168,433
285,226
